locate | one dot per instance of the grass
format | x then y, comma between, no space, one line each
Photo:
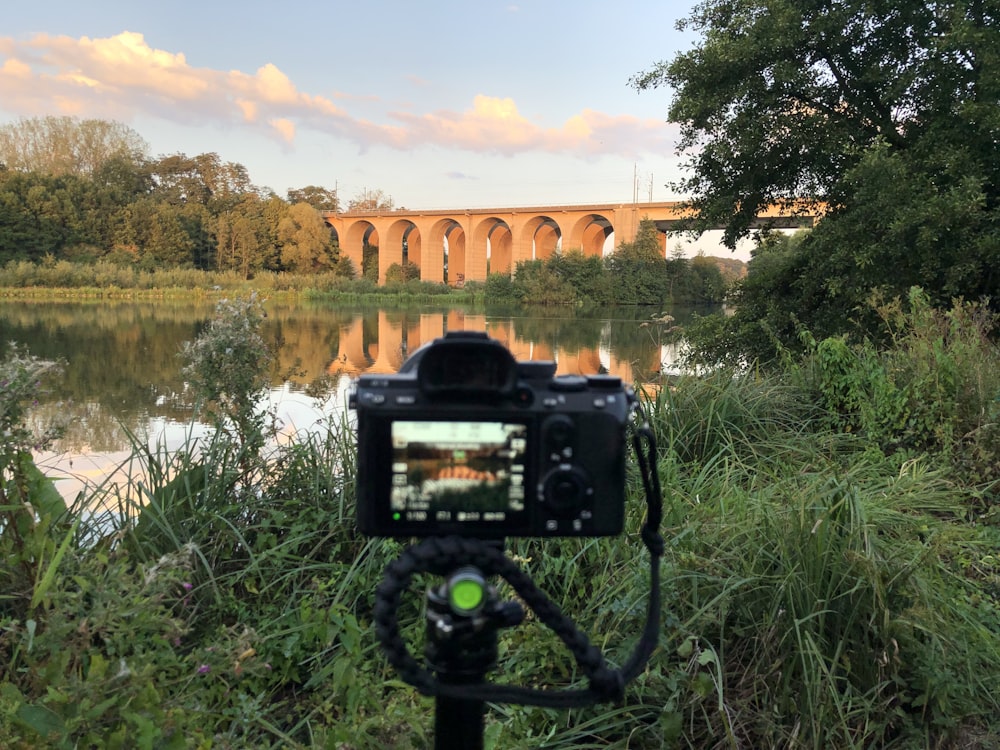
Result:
104,280
818,593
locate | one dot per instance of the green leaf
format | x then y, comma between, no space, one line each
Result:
50,572
703,684
707,657
42,720
98,667
42,490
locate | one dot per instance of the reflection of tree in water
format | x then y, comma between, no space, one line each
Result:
122,363
122,358
474,496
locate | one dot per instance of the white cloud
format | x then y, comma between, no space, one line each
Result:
122,77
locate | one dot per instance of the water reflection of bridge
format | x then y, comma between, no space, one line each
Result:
365,348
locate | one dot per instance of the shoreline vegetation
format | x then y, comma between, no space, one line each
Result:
106,280
566,280
831,577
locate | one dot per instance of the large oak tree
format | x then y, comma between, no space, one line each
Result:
887,111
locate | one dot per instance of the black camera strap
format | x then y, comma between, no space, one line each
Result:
442,555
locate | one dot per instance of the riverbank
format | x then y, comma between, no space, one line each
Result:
819,590
71,281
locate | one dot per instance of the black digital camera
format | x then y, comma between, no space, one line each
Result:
466,440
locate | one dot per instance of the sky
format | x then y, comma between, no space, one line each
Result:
440,105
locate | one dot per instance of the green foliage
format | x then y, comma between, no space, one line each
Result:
818,593
306,246
40,214
768,301
783,99
584,273
878,113
934,390
499,288
369,262
635,274
85,190
401,274
66,145
34,532
823,592
639,269
228,368
319,198
538,283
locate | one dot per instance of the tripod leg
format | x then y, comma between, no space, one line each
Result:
458,724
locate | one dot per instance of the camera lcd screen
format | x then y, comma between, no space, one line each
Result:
457,472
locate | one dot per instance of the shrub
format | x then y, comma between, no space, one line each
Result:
228,367
934,388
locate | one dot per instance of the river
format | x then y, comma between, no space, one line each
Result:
122,374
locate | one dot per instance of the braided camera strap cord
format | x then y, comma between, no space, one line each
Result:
442,555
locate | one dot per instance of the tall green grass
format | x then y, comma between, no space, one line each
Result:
819,592
817,583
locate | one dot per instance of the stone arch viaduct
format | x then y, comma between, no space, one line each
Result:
459,245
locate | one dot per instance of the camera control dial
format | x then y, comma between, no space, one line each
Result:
565,490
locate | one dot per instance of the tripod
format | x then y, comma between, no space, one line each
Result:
463,616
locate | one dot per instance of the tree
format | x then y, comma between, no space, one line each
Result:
306,247
156,235
884,111
585,273
639,268
247,235
203,179
536,283
68,146
371,200
319,198
41,214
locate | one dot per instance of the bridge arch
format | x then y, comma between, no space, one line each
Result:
444,258
402,245
540,237
494,239
353,241
589,234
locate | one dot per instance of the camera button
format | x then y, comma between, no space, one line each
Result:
609,382
407,400
524,396
375,399
569,383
